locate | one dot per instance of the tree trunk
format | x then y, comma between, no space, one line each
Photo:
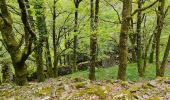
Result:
166,53
41,25
55,64
12,46
6,72
132,40
139,44
159,27
146,53
76,3
20,73
93,43
123,46
48,60
152,50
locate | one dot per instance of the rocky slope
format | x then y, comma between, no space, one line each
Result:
82,89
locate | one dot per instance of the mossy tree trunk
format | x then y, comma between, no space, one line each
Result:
41,26
146,52
151,57
132,37
48,59
55,63
139,42
123,46
93,37
13,46
166,53
76,3
6,72
159,27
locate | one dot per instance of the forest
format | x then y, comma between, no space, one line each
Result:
84,49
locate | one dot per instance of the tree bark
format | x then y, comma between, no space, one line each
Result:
152,50
159,27
93,38
6,72
13,47
123,46
41,26
146,53
55,64
166,53
139,44
76,3
48,60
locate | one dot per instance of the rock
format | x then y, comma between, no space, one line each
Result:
167,81
152,83
66,87
145,86
80,85
78,79
134,88
46,98
124,84
99,83
145,96
60,83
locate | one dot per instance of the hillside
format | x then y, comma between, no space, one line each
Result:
77,86
68,88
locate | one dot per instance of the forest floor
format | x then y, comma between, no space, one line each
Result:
77,87
68,88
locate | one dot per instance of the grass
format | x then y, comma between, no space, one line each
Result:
131,74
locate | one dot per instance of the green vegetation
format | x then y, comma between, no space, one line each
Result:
132,74
51,49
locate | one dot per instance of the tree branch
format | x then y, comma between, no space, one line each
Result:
114,10
142,9
24,18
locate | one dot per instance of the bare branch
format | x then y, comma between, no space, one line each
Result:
114,10
24,17
144,8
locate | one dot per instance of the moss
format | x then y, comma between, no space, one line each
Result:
126,94
153,98
145,86
134,88
6,94
124,83
59,92
168,89
93,90
80,85
43,91
3,98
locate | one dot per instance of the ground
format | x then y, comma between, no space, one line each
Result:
77,86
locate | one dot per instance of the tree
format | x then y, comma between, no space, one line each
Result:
41,26
159,27
166,53
93,38
139,44
76,3
123,46
152,50
56,57
18,56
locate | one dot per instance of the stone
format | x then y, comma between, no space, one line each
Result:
152,83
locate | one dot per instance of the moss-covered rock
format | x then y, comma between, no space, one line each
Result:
134,88
43,91
93,90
